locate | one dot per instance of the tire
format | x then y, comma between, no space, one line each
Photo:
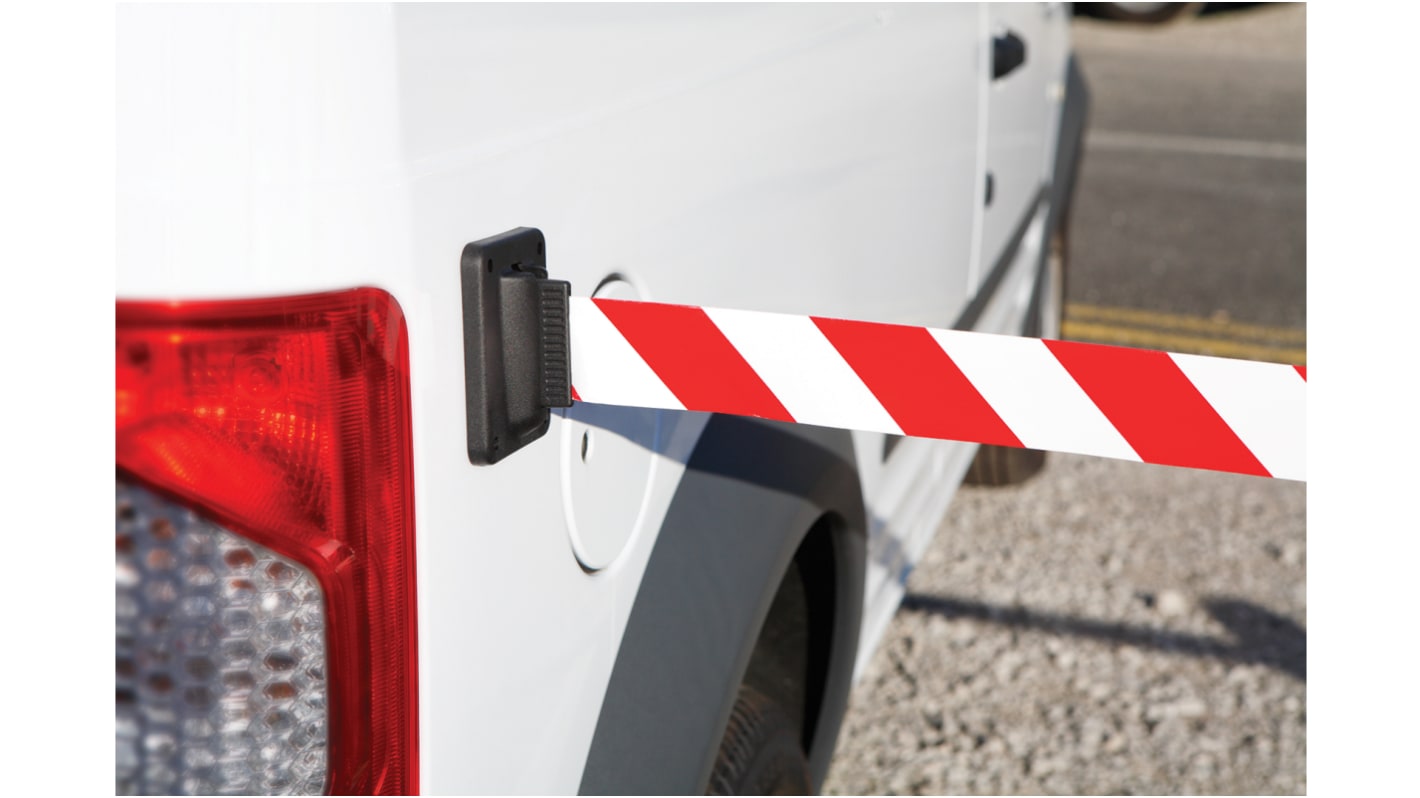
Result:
760,752
996,466
1144,13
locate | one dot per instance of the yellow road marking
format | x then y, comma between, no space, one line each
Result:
1176,342
1172,321
1194,145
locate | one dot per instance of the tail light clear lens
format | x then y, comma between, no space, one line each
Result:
265,546
221,659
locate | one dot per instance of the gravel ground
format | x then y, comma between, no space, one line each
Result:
1112,627
1063,638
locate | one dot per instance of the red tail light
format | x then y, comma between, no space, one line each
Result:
287,421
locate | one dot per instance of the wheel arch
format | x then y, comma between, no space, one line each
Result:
758,501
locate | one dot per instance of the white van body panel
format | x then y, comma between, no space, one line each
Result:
822,159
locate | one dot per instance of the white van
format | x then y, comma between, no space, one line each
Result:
317,591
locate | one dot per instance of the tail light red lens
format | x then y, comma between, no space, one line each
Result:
287,422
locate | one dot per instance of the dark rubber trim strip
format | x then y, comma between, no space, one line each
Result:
987,291
1068,149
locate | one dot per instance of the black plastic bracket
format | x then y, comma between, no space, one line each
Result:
516,351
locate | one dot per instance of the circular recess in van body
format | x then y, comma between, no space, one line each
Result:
608,464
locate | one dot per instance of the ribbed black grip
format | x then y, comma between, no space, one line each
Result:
555,343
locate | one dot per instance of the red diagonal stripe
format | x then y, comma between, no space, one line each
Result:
1155,407
917,383
1302,370
693,358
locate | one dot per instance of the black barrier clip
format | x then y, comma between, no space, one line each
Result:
516,350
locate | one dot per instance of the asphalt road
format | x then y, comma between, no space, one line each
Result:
1191,201
1111,627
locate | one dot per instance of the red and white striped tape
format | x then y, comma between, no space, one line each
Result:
1131,404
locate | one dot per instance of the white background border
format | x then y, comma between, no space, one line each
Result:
57,184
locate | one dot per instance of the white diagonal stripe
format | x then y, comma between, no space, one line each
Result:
1034,394
1264,403
605,368
813,382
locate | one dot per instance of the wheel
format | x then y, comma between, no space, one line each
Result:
1004,465
1144,13
760,752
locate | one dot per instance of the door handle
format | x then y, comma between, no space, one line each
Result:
1008,52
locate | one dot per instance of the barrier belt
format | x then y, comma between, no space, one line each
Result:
1064,396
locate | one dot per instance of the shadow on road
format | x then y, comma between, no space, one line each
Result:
1211,9
1207,9
1259,636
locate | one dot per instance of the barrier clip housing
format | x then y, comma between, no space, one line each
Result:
517,353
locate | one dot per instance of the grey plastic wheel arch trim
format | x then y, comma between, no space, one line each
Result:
751,491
